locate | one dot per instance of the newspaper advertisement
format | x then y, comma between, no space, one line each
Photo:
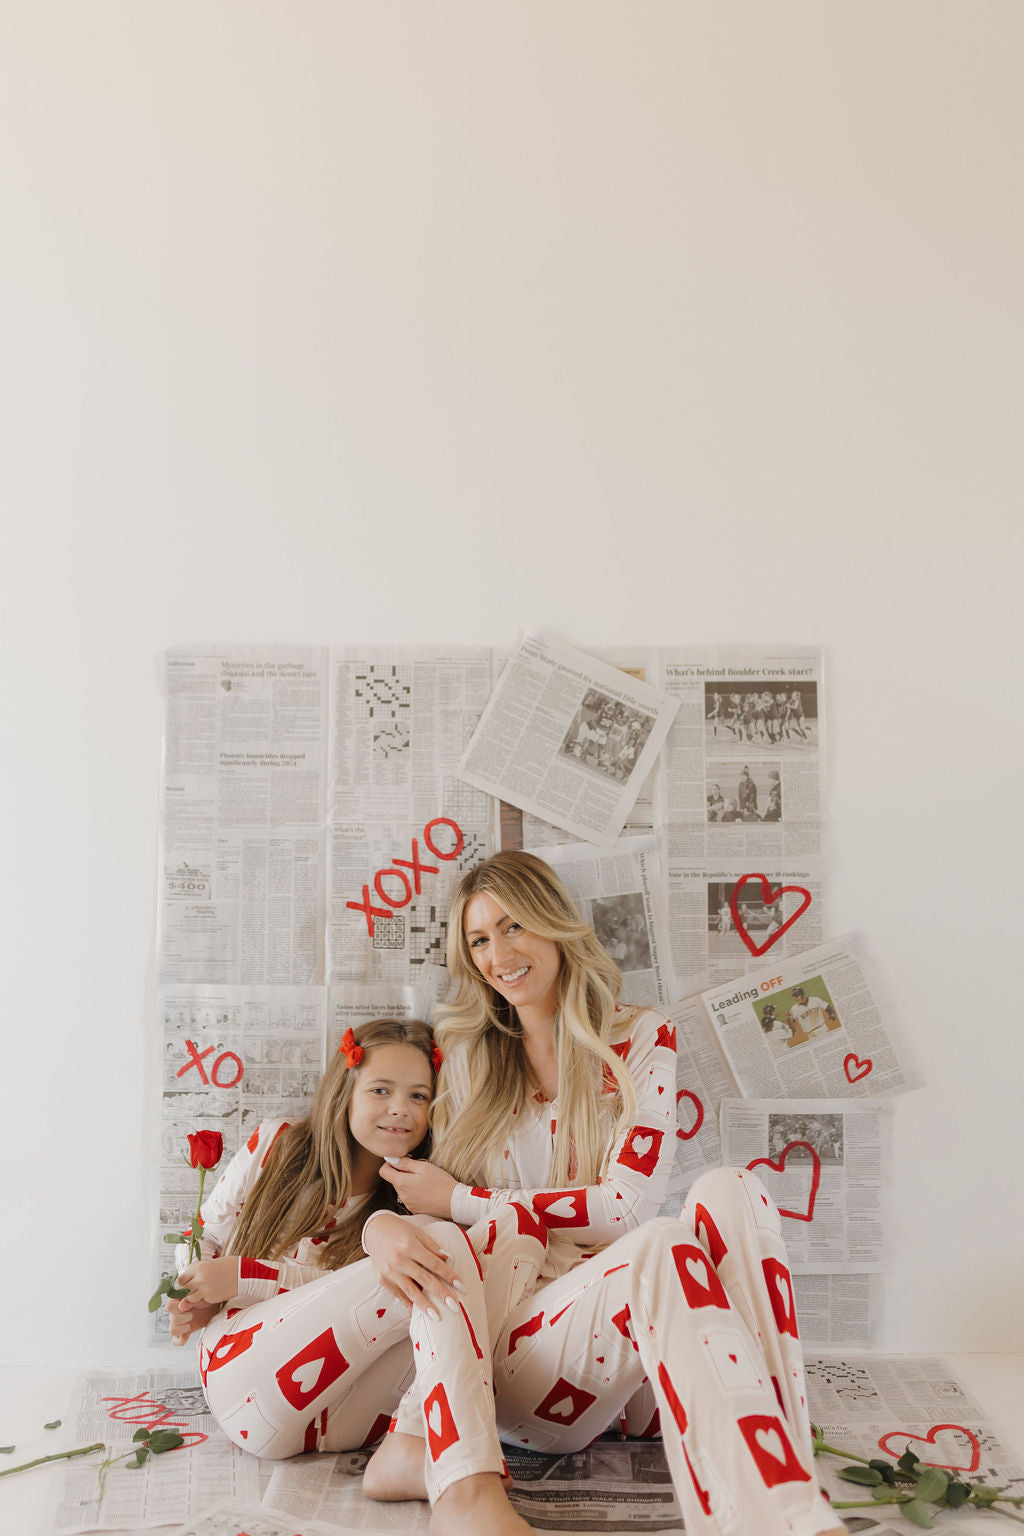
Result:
741,772
621,893
726,920
232,1056
236,1520
703,1080
166,1489
808,1027
329,1488
827,1165
839,1311
568,738
404,827
882,1405
242,875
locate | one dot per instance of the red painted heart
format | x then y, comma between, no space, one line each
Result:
687,1093
779,1166
855,1069
769,898
929,1439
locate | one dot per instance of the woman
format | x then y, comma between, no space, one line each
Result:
554,1094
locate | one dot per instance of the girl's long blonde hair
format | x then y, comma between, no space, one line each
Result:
309,1167
469,1137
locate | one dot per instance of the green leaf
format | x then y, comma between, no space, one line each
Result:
957,1494
173,1237
908,1461
165,1440
886,1469
5,1450
175,1293
932,1484
141,1434
156,1301
984,1495
917,1514
54,1425
884,1494
141,1455
868,1477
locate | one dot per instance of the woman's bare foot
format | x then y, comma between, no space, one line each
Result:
475,1504
395,1470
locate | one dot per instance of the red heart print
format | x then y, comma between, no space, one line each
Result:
929,1439
769,898
807,1215
687,1093
855,1069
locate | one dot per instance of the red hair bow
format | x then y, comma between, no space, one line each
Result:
353,1053
436,1058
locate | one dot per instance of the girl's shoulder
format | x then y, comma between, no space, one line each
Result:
264,1137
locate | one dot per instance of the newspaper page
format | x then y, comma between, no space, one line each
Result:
808,1027
352,1002
238,1520
881,1405
839,1311
242,875
742,768
771,908
232,1056
568,738
620,892
404,827
827,1164
167,1489
329,1488
703,1080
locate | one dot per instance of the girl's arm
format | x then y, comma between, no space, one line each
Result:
635,1182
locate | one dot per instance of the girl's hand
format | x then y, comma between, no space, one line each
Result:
422,1188
409,1264
210,1280
187,1317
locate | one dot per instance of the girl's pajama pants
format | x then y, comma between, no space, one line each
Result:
322,1367
700,1308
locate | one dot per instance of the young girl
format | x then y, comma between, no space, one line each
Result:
561,1100
311,1352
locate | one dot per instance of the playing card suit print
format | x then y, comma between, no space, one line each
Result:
312,1370
855,1069
769,898
778,1166
780,1293
641,1149
773,1455
230,1345
682,1424
437,1414
562,1207
565,1403
622,1321
527,1225
906,1435
713,1240
524,1331
698,1277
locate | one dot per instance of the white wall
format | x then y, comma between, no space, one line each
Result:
414,322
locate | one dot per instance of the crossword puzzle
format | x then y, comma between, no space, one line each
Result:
384,695
850,1382
464,804
428,935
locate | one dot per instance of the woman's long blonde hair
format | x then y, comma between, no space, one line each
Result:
309,1167
469,1136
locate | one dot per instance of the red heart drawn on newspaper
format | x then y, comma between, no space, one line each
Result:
769,898
779,1167
929,1439
687,1093
855,1069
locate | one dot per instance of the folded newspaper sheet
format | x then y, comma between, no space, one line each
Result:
808,1026
250,1520
827,1165
568,738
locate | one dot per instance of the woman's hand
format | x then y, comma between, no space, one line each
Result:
422,1188
188,1317
210,1280
409,1264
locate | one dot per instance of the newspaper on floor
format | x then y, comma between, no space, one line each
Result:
839,1311
329,1487
711,907
703,1081
169,1488
250,1520
741,773
232,1056
242,867
827,1165
404,827
809,1026
568,738
881,1405
621,893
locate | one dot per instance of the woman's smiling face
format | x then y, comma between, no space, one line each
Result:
521,966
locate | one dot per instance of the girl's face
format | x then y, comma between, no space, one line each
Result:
521,966
389,1107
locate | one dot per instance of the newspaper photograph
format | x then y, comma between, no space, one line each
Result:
404,827
882,1405
242,876
741,773
703,1080
827,1165
839,1311
808,1027
232,1056
620,892
167,1489
568,738
719,915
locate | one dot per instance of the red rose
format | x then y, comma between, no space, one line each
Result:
206,1148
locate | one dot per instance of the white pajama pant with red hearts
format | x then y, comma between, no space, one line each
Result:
322,1367
700,1308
